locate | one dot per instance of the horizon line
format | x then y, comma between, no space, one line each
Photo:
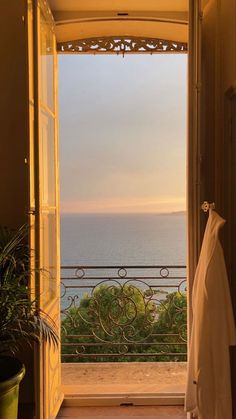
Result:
123,213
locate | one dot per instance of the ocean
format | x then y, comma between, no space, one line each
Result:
123,239
134,293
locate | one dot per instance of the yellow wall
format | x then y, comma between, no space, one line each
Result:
13,114
14,134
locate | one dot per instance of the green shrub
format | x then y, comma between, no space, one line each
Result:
125,320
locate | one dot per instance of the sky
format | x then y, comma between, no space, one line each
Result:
122,129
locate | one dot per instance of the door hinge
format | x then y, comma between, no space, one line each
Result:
200,15
31,212
230,129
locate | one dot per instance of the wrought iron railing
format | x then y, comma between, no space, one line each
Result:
117,313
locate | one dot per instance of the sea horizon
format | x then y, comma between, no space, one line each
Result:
182,212
123,239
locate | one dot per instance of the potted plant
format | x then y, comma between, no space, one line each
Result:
20,319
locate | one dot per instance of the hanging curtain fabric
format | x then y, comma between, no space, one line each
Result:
208,394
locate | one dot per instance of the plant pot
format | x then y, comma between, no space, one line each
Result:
11,373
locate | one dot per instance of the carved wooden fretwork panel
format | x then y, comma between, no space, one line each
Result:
121,45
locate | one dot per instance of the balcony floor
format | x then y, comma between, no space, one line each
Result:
134,412
133,379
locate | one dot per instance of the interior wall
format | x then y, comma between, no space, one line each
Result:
227,35
13,114
218,75
14,170
217,137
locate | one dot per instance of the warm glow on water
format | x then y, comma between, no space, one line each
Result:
128,206
125,239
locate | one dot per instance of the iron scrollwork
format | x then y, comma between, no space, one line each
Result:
123,312
121,45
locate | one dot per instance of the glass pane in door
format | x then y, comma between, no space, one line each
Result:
46,63
47,156
49,278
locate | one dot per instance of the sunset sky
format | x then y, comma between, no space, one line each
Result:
122,133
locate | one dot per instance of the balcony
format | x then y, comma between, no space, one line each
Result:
124,330
124,314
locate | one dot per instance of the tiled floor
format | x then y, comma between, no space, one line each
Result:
120,412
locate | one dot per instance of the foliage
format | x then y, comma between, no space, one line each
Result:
20,319
125,320
172,326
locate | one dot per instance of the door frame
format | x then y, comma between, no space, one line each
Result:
193,147
193,157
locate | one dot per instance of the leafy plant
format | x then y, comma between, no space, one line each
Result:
20,318
172,326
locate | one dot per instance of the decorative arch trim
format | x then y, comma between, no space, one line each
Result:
121,45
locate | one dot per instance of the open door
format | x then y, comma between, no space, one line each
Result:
194,190
194,153
44,196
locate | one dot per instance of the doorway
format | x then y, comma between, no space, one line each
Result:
123,183
160,45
